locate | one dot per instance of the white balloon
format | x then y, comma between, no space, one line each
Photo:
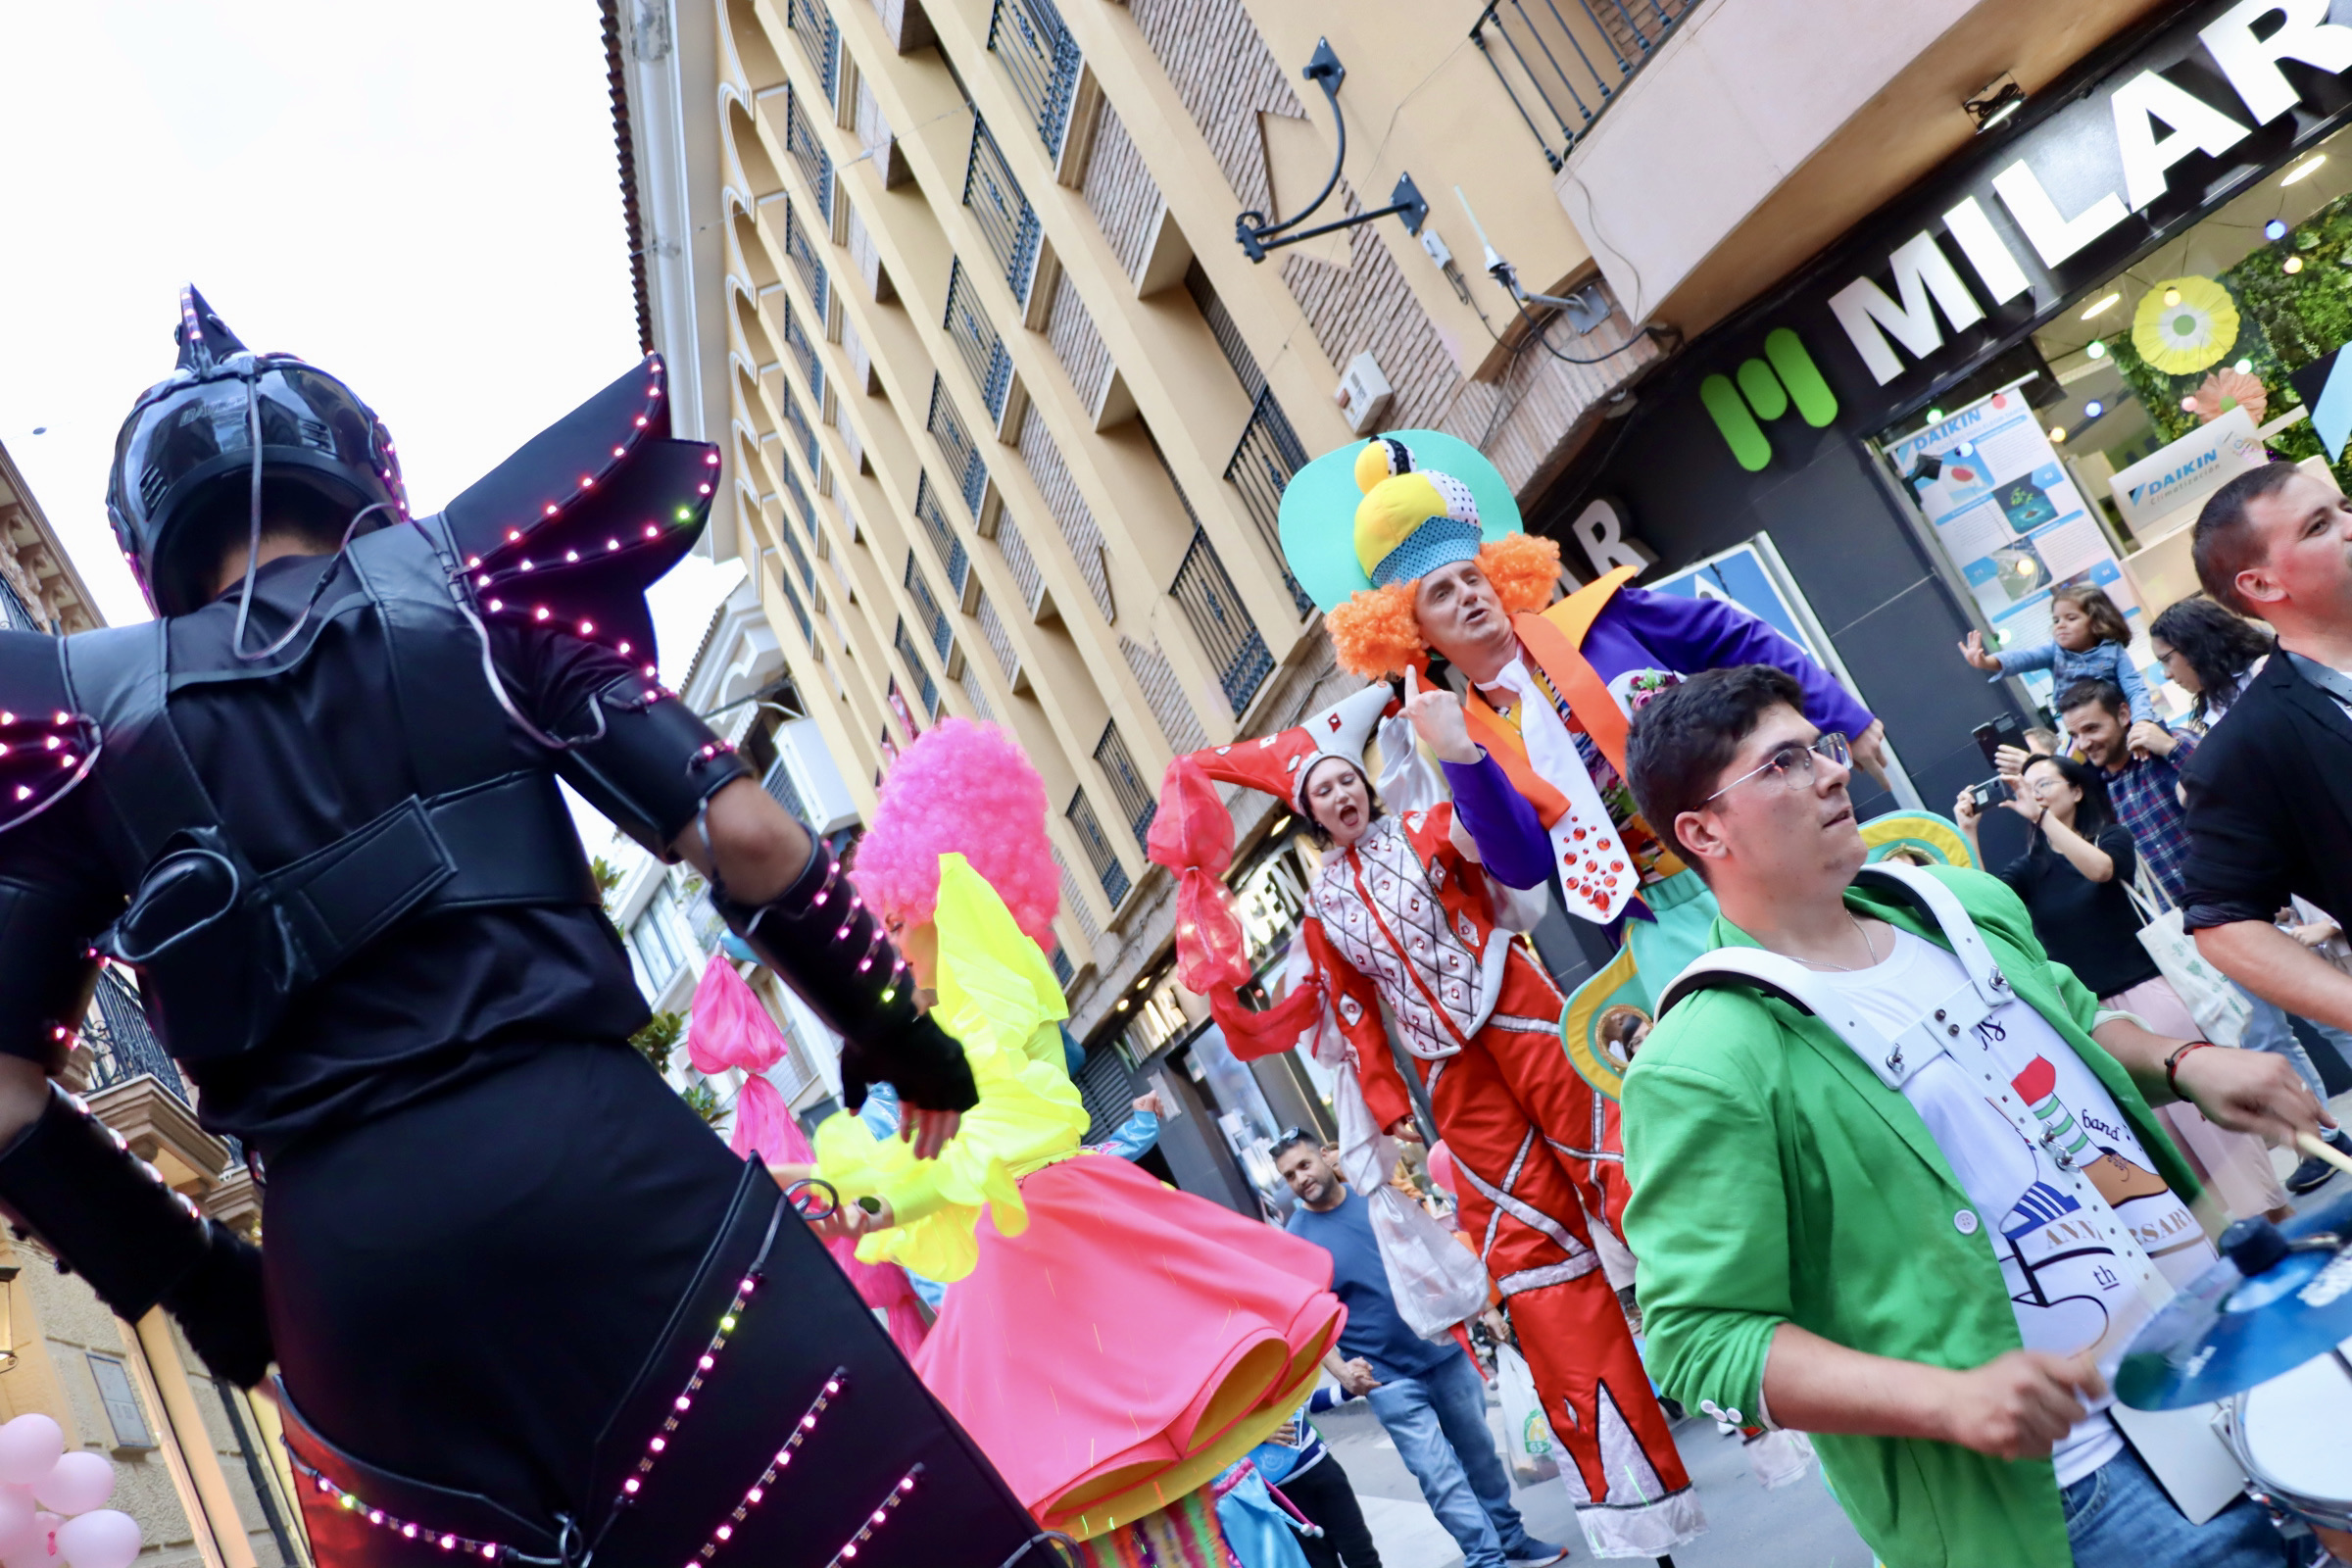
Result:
15,1520
79,1482
29,1445
106,1538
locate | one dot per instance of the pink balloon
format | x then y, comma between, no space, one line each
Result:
29,1447
15,1520
106,1538
79,1482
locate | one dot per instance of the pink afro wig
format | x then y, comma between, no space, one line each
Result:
964,787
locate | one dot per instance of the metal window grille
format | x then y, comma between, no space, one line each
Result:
1262,462
800,557
984,353
1043,61
1563,62
1021,564
816,165
803,435
799,612
1063,970
1006,217
803,348
926,688
1234,647
1221,327
117,1031
974,695
963,457
942,537
804,257
1099,853
783,791
17,613
814,25
800,497
1128,788
935,619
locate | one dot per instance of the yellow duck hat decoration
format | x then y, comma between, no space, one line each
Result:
1390,509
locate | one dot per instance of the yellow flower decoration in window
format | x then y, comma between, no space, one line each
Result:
2183,324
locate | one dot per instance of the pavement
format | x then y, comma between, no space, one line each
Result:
1797,1526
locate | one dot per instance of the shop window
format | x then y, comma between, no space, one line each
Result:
122,1411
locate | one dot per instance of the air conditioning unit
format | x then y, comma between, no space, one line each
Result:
1364,394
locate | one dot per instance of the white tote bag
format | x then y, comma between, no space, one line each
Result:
2219,1006
1527,1439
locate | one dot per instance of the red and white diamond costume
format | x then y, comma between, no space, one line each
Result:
1404,919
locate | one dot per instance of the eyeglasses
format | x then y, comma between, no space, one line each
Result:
1793,764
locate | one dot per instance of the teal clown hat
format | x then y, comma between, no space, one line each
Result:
1388,511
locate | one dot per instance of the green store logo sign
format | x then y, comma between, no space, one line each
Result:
1764,390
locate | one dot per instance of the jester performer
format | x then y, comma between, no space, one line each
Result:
1412,544
1415,912
524,1307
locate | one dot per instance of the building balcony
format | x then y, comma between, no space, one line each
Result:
1775,129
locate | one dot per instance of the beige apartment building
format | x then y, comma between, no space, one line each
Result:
1007,410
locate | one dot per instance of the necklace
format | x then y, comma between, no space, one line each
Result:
1848,968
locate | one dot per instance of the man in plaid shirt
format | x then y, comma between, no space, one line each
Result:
2142,762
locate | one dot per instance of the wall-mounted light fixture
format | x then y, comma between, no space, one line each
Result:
1994,102
1257,234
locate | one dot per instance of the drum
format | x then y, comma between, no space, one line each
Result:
2289,1435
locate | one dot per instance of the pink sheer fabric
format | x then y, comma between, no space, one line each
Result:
1192,836
729,1028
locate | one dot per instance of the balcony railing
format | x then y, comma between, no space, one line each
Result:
1128,788
800,497
115,1031
804,433
814,25
1006,217
16,613
1099,853
927,688
1235,651
1043,61
934,619
1269,454
804,258
983,349
803,349
942,537
800,559
1563,62
1063,970
784,792
963,457
1221,326
816,165
799,612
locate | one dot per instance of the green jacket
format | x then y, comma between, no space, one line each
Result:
1775,1180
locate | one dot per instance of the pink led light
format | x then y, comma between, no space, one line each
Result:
53,743
659,1444
587,628
683,1402
706,489
710,458
449,1543
755,1495
483,581
497,605
612,543
641,422
707,1363
408,1531
527,564
551,511
571,555
623,649
375,1516
630,1485
623,452
725,1532
653,530
65,719
513,534
475,562
539,614
587,481
6,717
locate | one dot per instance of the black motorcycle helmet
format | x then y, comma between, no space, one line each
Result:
186,460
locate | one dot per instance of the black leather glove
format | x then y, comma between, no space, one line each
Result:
106,1214
821,939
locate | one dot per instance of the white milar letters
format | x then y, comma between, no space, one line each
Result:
1920,269
2252,64
2197,127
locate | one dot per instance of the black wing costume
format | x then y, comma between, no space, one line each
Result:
524,1307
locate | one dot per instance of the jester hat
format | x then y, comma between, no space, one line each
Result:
1390,509
1192,833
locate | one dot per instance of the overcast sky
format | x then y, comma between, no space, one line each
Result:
420,199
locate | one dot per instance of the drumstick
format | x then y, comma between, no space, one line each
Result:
2327,1152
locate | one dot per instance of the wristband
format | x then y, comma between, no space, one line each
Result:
2172,1064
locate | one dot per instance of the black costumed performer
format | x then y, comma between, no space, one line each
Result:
524,1307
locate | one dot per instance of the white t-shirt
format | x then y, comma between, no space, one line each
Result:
2064,1284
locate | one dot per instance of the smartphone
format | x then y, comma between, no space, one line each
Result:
1989,794
1993,734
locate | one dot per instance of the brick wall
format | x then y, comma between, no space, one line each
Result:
1070,512
1076,343
1125,199
1164,693
1222,70
1367,305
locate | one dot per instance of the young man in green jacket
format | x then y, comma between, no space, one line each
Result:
1900,1271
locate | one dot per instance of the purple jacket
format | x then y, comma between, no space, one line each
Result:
1640,636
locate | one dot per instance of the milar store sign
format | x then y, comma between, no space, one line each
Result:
2135,148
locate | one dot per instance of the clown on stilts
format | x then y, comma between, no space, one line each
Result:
1417,912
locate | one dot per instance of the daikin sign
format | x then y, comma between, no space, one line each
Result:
2112,155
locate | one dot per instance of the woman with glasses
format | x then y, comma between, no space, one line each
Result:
2074,878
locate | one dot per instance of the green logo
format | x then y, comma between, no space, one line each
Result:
1798,380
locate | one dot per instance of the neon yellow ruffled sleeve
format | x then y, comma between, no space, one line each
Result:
998,997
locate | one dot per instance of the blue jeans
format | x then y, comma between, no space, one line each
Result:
2119,1517
2268,1030
1439,1421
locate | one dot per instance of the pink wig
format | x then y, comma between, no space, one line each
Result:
965,787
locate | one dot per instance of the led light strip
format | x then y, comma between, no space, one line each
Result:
408,1529
694,1385
876,1520
758,1490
